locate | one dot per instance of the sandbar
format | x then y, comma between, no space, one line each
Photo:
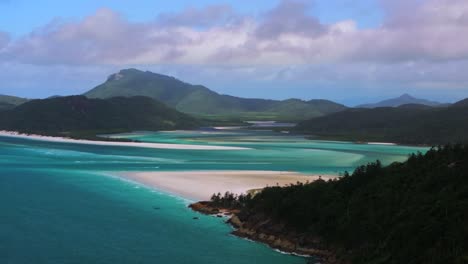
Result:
200,185
118,144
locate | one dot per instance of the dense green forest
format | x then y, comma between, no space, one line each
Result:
6,106
203,102
83,117
408,124
414,212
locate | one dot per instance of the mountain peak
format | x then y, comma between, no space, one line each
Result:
402,100
407,96
130,70
199,100
122,73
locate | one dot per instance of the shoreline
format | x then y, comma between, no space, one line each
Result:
15,134
201,185
274,236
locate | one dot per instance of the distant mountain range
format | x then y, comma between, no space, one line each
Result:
411,124
138,100
399,101
201,101
78,114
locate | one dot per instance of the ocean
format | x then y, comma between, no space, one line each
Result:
59,202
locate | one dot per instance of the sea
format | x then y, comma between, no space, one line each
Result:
62,203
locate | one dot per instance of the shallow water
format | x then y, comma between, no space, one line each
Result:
273,151
58,206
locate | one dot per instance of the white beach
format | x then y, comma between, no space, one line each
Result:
382,143
200,185
118,144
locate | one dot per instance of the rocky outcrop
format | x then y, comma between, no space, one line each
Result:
204,208
259,228
207,208
276,236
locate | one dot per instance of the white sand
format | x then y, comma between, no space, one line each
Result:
200,185
381,143
121,144
228,128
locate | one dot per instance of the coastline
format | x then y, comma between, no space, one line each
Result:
15,134
200,185
273,235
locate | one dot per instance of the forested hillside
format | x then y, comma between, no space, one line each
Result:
75,114
414,212
201,101
409,124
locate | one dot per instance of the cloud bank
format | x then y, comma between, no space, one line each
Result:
287,34
419,43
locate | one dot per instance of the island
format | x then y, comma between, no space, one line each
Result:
410,212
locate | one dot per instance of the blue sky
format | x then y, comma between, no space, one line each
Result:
343,50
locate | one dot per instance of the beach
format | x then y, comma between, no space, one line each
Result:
116,144
200,185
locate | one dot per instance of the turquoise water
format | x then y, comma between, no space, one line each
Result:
57,205
271,151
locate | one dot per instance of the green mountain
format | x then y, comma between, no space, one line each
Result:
413,212
201,101
405,124
402,100
78,114
10,102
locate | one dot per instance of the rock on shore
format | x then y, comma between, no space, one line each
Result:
262,230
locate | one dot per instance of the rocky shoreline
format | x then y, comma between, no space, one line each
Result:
261,229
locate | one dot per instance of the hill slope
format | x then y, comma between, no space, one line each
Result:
78,113
199,100
404,124
10,102
402,100
412,212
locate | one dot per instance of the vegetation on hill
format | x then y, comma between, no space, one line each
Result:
408,124
414,212
402,100
78,115
203,102
9,102
6,106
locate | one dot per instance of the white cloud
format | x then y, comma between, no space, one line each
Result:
432,30
419,44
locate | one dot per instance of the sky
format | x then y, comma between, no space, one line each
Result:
348,51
